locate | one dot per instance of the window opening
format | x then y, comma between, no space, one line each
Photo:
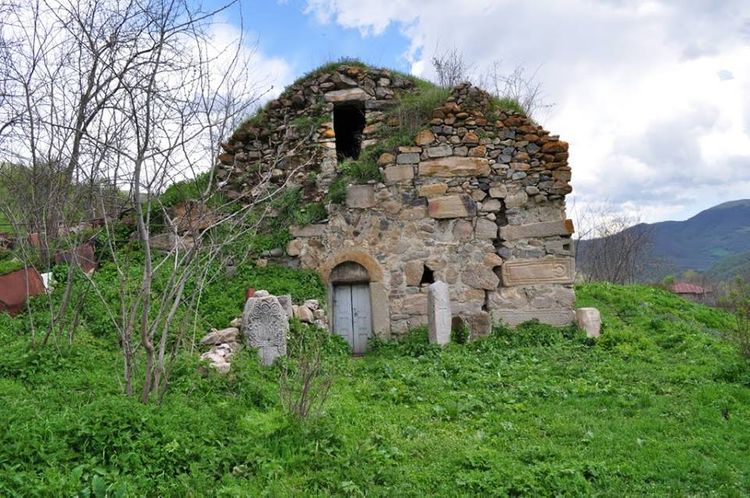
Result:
348,124
428,277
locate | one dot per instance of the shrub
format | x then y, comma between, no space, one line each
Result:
737,301
304,383
414,343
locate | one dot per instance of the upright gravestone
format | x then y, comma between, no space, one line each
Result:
265,326
590,321
439,313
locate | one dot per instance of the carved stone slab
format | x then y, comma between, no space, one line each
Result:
538,271
455,166
439,313
534,230
265,326
452,206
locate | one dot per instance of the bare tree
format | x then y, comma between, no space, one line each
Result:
516,85
132,95
611,246
450,67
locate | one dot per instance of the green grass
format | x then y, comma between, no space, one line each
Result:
659,406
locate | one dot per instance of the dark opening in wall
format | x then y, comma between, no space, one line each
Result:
348,123
428,277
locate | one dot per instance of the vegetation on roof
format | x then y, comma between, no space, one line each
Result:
414,107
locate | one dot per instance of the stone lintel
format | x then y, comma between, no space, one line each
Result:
346,95
536,230
455,166
538,271
452,206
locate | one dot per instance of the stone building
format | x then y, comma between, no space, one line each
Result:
467,192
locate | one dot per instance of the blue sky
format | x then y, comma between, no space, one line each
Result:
283,29
653,95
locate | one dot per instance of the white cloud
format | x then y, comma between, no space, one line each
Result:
654,96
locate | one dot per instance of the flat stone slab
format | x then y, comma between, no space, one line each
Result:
536,230
346,95
451,206
455,166
485,229
395,174
432,190
556,318
360,196
538,271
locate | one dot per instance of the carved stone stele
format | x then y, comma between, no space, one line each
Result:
538,271
439,313
266,327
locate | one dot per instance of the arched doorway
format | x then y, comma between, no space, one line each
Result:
352,308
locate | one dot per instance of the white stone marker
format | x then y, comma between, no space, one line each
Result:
266,326
589,320
439,313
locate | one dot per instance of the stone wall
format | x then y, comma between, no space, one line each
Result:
477,201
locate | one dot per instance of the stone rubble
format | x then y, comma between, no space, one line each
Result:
225,343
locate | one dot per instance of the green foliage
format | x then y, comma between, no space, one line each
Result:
729,268
186,190
361,170
337,190
10,265
737,301
306,123
224,298
329,67
414,110
292,209
506,104
546,413
461,334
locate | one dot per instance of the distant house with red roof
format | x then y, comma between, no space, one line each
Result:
690,291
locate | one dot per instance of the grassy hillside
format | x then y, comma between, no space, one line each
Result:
660,405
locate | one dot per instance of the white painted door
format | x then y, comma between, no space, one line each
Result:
352,317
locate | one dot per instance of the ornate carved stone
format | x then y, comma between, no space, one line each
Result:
538,271
439,313
265,326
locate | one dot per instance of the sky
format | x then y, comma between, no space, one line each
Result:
652,95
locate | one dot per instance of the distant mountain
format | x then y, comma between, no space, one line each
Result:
697,243
731,267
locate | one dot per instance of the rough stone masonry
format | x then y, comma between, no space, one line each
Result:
476,200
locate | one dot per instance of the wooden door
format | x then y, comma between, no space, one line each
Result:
352,316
